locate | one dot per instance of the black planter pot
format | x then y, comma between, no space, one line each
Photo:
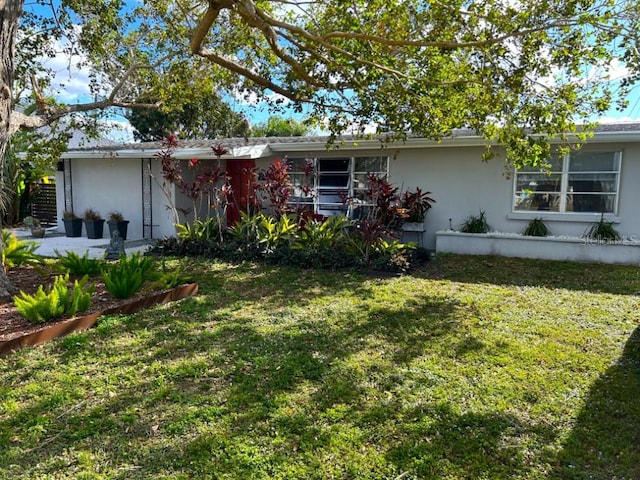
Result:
72,227
120,226
95,228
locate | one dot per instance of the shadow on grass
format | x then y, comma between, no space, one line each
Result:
591,277
605,442
300,398
232,376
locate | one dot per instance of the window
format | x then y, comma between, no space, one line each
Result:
326,183
581,182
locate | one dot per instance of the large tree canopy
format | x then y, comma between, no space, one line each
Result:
504,68
205,116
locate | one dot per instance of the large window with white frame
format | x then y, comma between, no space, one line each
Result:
580,182
325,184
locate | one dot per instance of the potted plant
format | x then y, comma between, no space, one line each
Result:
72,224
415,206
93,223
117,222
34,224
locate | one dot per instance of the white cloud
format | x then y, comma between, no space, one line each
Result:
70,83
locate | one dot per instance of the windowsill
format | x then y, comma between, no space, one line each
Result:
563,217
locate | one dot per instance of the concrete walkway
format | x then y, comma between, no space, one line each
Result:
55,240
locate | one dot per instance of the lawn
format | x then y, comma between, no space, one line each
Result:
477,367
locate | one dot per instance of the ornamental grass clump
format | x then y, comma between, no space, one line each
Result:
536,228
476,224
603,231
58,301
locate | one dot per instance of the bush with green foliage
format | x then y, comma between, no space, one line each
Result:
78,265
199,230
476,224
536,228
58,301
126,276
317,235
274,233
335,242
603,230
17,252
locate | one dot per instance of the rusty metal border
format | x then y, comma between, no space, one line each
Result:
78,324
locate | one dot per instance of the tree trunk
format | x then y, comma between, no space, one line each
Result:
10,11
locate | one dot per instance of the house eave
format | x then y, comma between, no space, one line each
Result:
245,152
265,147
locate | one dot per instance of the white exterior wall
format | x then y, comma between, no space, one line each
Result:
463,185
161,216
460,182
108,184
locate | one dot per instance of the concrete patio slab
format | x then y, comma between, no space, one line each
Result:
55,241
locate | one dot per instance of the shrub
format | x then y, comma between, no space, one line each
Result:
603,230
126,276
476,224
392,255
16,252
76,265
274,233
536,228
316,235
57,302
198,230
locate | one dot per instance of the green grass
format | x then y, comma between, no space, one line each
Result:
478,368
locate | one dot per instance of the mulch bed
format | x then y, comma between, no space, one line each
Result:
14,327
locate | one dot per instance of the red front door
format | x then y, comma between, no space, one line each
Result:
241,173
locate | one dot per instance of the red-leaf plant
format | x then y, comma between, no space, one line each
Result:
206,181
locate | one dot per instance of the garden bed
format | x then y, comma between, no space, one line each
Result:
575,249
16,332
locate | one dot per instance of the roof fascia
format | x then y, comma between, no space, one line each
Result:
251,152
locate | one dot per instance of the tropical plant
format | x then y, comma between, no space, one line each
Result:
77,265
31,222
126,276
329,233
17,252
199,230
277,187
274,233
363,237
392,255
384,197
58,301
476,224
603,230
416,204
536,228
246,230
